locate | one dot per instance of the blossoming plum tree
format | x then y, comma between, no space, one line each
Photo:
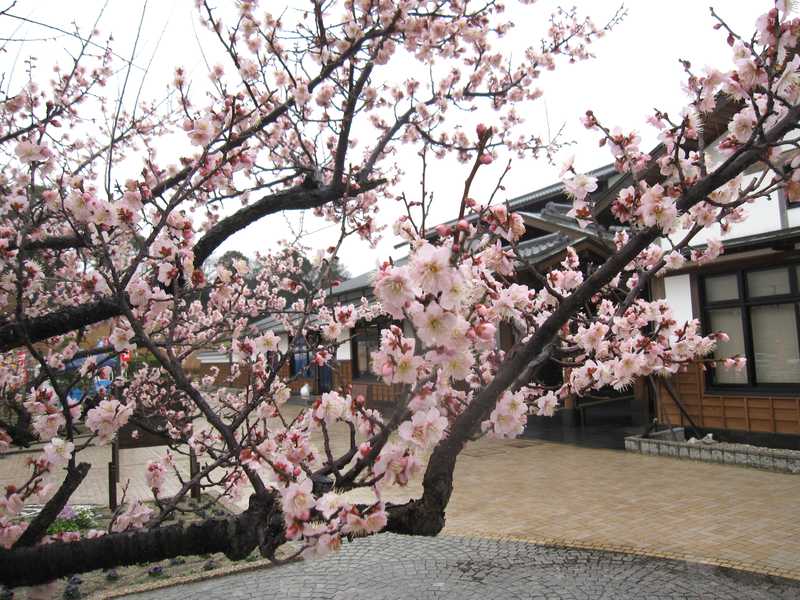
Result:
83,241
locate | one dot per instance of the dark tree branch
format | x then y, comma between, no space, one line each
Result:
260,526
59,322
296,198
67,319
52,243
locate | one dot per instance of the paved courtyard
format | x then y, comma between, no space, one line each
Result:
592,498
390,567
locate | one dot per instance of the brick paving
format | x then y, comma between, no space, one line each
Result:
391,567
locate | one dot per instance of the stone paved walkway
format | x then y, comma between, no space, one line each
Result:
390,567
604,499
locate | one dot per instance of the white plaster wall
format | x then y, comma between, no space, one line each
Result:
793,216
762,215
678,294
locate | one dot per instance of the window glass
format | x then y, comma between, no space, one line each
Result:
300,358
775,343
721,287
728,320
773,282
367,341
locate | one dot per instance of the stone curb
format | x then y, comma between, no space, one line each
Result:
759,569
769,459
173,581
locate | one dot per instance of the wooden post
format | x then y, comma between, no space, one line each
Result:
194,469
113,475
112,486
115,457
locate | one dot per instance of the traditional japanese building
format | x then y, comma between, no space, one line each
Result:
751,292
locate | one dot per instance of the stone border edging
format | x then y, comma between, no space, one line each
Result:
756,568
173,581
770,459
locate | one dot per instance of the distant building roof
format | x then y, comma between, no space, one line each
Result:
355,283
556,189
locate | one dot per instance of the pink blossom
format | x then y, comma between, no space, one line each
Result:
11,504
396,465
107,417
10,532
433,323
320,545
430,268
58,451
135,515
425,429
5,440
28,152
301,95
546,405
202,132
297,500
330,407
155,475
329,503
580,186
742,124
373,521
394,288
47,425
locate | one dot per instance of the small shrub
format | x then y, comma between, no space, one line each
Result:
155,571
71,519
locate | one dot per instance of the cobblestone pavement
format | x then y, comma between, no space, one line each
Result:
390,567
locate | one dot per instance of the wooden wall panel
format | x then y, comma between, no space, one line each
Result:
745,412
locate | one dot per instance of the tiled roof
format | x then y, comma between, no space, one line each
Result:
544,246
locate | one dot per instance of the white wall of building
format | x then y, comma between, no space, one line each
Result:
678,293
763,215
793,216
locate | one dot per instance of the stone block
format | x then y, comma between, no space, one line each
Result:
780,463
765,460
670,435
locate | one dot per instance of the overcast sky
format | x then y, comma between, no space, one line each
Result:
636,69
